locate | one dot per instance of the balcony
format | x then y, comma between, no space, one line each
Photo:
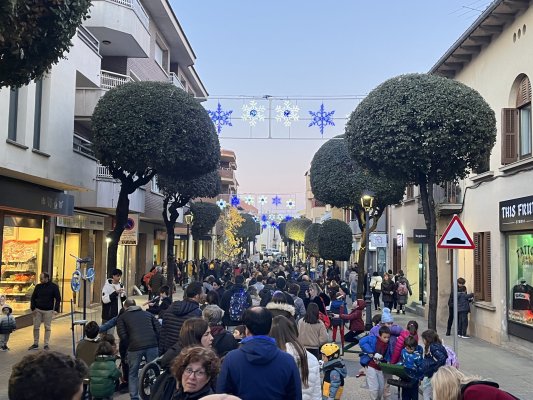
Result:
110,80
175,81
448,199
227,174
121,27
82,146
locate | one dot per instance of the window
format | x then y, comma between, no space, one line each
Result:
13,114
482,264
410,192
37,119
155,188
158,56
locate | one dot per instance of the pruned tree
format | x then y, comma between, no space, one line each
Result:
206,216
311,239
425,130
338,180
335,240
295,231
34,35
247,231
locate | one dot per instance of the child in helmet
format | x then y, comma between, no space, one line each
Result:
334,372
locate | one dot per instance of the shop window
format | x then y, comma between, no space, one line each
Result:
520,278
482,264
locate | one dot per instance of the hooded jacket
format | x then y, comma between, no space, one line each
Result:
313,391
368,346
259,370
110,299
355,317
334,374
173,318
104,375
139,328
286,310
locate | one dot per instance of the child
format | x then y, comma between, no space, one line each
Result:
375,350
239,332
334,371
435,356
104,373
7,326
87,347
411,359
338,306
463,308
412,330
161,303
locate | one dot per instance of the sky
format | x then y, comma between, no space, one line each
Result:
309,53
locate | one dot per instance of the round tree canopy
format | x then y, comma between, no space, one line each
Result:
248,229
311,239
335,240
295,229
422,125
205,217
207,185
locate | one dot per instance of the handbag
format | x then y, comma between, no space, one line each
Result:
324,317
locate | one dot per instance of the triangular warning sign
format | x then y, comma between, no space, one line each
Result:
455,236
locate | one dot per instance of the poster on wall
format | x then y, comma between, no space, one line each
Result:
131,231
521,278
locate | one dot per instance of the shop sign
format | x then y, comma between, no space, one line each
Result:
82,221
130,235
516,214
420,236
377,240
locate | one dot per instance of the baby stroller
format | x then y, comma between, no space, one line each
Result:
149,374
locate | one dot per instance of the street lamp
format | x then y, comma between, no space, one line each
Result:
367,203
189,217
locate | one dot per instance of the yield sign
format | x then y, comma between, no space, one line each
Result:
455,236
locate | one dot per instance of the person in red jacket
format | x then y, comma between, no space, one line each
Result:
412,330
357,325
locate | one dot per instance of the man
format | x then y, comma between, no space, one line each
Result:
156,281
234,301
177,313
281,284
113,295
47,375
140,330
460,283
258,369
44,304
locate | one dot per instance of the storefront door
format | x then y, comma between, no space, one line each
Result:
66,243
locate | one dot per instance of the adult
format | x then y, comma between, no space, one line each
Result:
234,302
388,287
304,283
223,340
211,298
218,287
375,285
280,286
460,282
315,295
113,295
311,331
258,369
141,331
299,306
403,291
259,285
353,279
357,325
286,336
44,304
278,306
178,312
157,281
47,375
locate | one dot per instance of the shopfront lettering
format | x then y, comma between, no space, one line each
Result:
516,214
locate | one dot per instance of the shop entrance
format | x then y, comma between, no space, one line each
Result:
66,242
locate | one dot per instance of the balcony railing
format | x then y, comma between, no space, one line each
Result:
137,7
102,172
89,39
110,80
82,146
448,193
175,80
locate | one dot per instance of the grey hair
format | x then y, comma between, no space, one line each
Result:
213,314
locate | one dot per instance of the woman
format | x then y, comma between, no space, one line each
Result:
314,295
223,340
217,287
195,371
212,298
278,306
286,336
403,291
357,325
311,331
375,285
388,288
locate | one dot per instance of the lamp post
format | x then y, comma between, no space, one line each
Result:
189,217
367,201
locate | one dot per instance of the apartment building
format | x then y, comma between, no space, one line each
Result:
56,200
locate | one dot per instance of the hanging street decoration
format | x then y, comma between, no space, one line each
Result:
221,203
220,117
279,217
290,204
235,201
288,218
276,200
321,118
249,200
262,200
256,220
264,226
271,217
274,225
287,113
253,113
264,218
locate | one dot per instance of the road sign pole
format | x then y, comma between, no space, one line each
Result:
455,314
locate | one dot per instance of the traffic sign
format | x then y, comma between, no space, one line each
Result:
455,236
90,275
75,283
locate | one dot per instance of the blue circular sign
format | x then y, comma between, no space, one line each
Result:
90,275
75,283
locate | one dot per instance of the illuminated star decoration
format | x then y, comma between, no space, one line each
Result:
264,218
235,201
287,113
253,113
221,204
276,200
288,218
249,200
290,204
256,220
274,225
220,117
321,118
264,226
262,200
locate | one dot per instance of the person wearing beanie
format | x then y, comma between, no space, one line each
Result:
223,340
7,326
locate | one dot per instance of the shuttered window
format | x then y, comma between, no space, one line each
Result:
482,267
510,121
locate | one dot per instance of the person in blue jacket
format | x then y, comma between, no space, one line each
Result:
258,369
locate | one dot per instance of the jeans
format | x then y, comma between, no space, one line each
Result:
39,317
351,336
410,393
4,338
134,361
462,323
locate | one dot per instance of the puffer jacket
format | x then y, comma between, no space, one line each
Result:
463,301
139,328
286,310
375,283
398,346
104,375
173,318
7,324
434,359
368,346
313,391
388,287
355,317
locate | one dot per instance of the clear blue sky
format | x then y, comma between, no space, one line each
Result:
309,48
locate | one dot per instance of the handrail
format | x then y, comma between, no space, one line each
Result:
137,7
89,39
103,172
175,80
82,145
110,80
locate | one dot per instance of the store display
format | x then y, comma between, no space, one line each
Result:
522,296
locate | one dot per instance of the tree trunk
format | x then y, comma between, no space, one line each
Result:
121,219
430,217
361,259
170,216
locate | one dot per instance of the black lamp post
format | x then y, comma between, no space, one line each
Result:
189,217
367,202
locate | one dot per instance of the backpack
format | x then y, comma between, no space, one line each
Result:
452,360
402,288
237,305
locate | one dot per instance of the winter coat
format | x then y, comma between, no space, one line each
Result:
104,375
334,374
388,287
286,310
463,301
46,297
7,324
156,282
259,370
110,299
160,306
353,279
139,328
312,336
313,391
226,300
355,317
399,345
223,341
435,359
375,283
368,346
86,350
298,307
173,318
304,287
180,395
395,332
402,298
266,296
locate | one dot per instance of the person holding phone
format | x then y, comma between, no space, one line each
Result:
113,296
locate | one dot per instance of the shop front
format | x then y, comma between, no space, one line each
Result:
516,223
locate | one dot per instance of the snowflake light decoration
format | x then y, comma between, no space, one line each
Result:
287,113
253,113
235,201
264,218
264,226
271,217
221,204
321,118
276,200
288,218
262,200
220,117
290,204
249,200
274,225
256,220
279,217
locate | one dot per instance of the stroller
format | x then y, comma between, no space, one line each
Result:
149,374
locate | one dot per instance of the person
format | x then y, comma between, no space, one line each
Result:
374,351
218,287
157,280
403,290
412,330
284,332
195,371
46,375
280,286
357,325
239,333
375,286
44,304
87,347
140,330
463,308
113,296
334,372
411,359
259,285
244,370
451,384
311,331
353,280
460,282
338,306
223,340
159,304
234,302
299,306
146,281
104,373
7,325
314,296
435,356
278,306
254,295
388,287
178,312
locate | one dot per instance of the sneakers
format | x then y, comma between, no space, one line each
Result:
403,312
46,347
464,337
397,311
33,347
3,348
448,333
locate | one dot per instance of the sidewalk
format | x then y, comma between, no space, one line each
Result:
512,371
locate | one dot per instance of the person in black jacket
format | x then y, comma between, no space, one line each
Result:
44,304
223,340
237,289
160,303
141,330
